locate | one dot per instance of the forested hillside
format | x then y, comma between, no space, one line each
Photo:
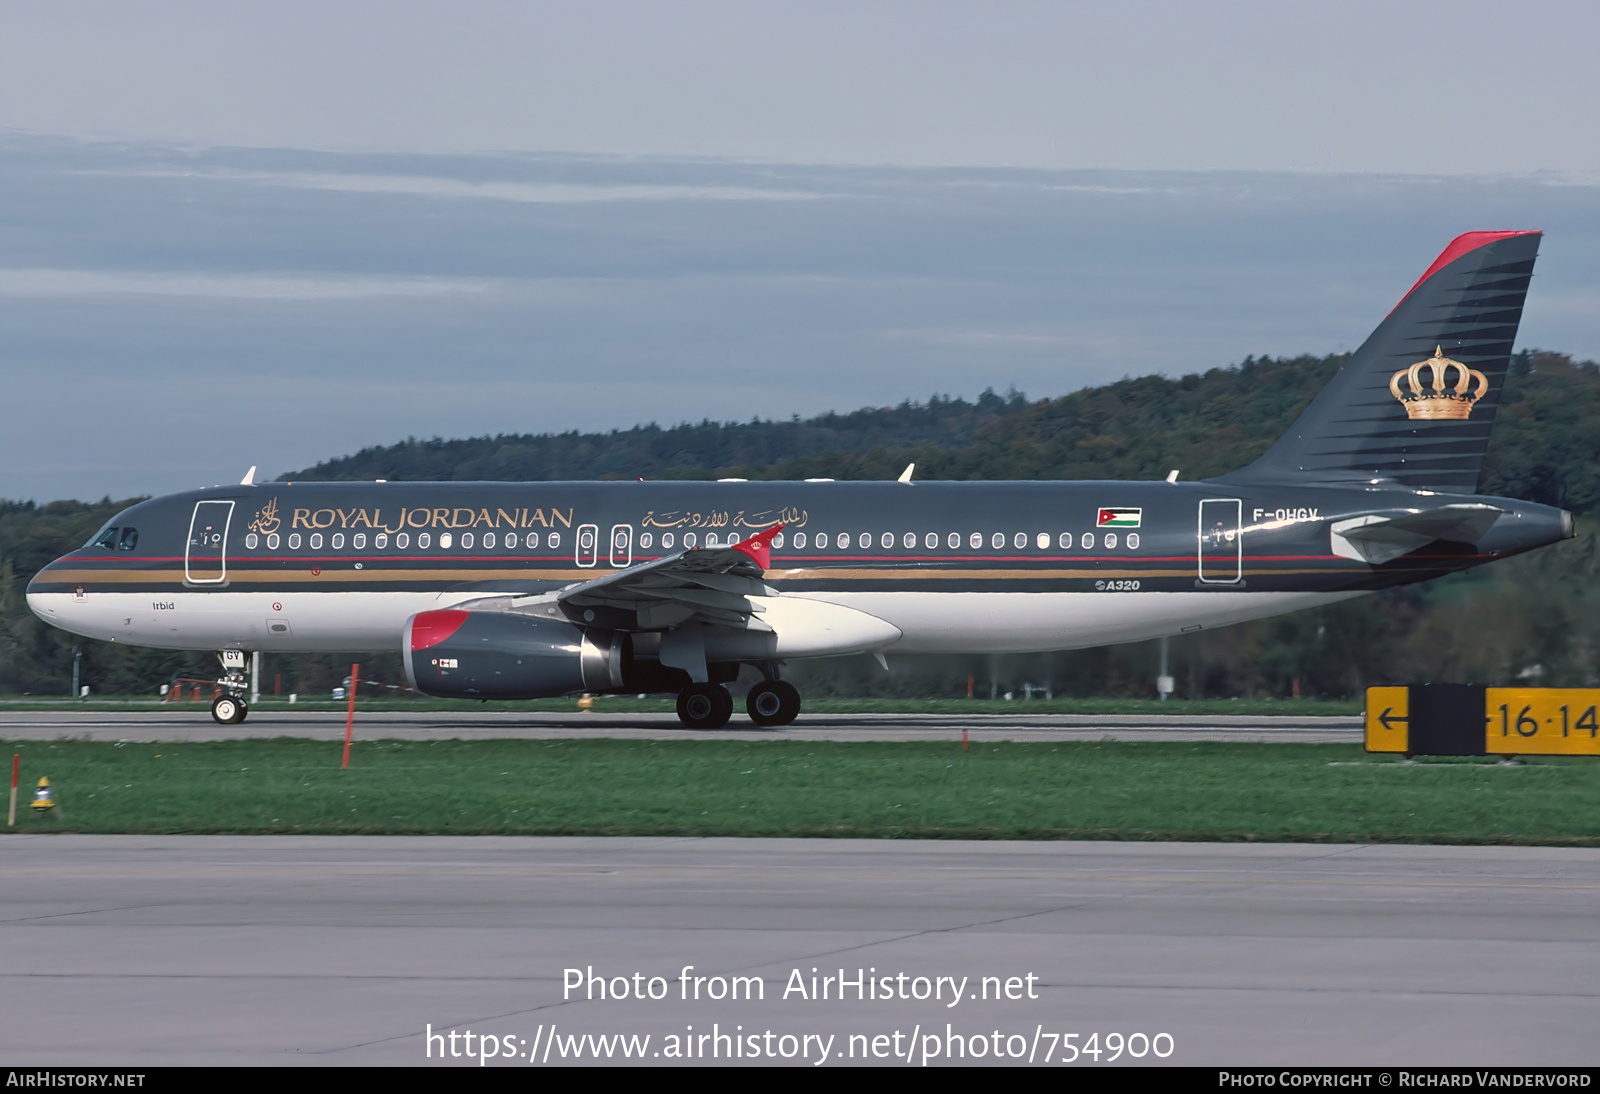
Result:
1535,616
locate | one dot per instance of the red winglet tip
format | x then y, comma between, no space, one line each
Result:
759,546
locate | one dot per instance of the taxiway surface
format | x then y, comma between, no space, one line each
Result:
138,950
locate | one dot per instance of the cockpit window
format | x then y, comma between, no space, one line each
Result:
107,539
129,540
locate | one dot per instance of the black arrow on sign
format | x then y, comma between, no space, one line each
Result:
1386,717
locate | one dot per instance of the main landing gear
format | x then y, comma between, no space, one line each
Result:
709,706
230,708
773,703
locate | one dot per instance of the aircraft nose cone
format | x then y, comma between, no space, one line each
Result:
38,603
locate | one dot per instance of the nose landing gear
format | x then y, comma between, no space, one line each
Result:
230,708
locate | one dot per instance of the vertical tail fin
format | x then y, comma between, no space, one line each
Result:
1414,405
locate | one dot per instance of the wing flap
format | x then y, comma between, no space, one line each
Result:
706,584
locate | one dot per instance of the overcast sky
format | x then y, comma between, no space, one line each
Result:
270,234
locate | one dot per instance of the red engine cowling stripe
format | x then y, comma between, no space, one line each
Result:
431,628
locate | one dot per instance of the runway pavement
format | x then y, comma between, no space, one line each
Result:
196,725
136,951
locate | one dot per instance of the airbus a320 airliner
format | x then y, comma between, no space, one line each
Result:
522,590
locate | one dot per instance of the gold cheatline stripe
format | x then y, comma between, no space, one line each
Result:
300,577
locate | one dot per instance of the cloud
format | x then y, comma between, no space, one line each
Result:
179,313
47,282
554,193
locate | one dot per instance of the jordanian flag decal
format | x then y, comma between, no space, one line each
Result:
1118,518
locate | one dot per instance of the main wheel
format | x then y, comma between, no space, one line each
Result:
772,703
705,706
228,710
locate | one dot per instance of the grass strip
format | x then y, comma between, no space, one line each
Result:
1059,790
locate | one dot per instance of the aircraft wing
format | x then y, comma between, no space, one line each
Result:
1377,538
709,584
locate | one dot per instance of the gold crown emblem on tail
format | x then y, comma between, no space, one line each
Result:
1437,402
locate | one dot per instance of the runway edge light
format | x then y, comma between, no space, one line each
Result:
43,799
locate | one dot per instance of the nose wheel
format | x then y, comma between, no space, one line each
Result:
773,703
705,706
229,710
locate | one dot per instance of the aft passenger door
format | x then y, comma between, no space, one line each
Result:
1221,541
205,558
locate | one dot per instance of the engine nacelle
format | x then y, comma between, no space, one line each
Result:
456,654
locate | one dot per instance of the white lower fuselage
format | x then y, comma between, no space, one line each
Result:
928,622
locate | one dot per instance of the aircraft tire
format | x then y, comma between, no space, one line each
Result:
773,703
228,710
705,706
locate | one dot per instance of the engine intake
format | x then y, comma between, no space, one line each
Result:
457,654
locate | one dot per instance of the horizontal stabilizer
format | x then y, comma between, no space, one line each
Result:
1377,538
